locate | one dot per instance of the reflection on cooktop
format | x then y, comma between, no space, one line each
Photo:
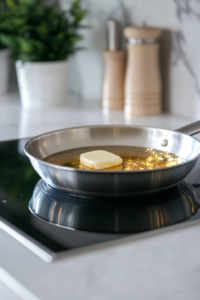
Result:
125,215
93,220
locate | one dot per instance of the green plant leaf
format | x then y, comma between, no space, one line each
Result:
80,16
7,40
37,32
11,4
74,7
13,23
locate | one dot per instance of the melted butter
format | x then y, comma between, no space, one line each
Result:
134,158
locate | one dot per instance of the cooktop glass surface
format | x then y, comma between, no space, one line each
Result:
58,221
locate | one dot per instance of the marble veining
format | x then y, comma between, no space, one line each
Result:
179,53
184,7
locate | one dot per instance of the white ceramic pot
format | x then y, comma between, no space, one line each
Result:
42,84
4,70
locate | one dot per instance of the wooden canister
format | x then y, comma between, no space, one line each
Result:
113,84
143,88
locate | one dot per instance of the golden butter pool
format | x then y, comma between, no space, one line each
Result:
134,158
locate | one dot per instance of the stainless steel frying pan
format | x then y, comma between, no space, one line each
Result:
116,183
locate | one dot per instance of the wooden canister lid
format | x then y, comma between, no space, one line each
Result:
142,33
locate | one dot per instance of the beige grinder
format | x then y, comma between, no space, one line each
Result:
143,88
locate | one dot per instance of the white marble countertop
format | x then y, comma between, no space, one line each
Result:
16,122
162,265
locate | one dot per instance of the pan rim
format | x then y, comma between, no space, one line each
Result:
70,169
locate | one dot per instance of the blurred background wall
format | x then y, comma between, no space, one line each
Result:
180,49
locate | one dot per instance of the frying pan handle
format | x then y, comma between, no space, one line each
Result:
190,129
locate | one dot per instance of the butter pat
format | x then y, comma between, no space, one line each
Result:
100,159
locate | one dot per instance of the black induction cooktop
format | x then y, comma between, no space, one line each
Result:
49,221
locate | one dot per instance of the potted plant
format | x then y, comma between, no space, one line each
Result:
41,42
4,53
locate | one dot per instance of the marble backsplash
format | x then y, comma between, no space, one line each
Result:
180,49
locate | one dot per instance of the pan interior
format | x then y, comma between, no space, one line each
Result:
134,158
99,136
